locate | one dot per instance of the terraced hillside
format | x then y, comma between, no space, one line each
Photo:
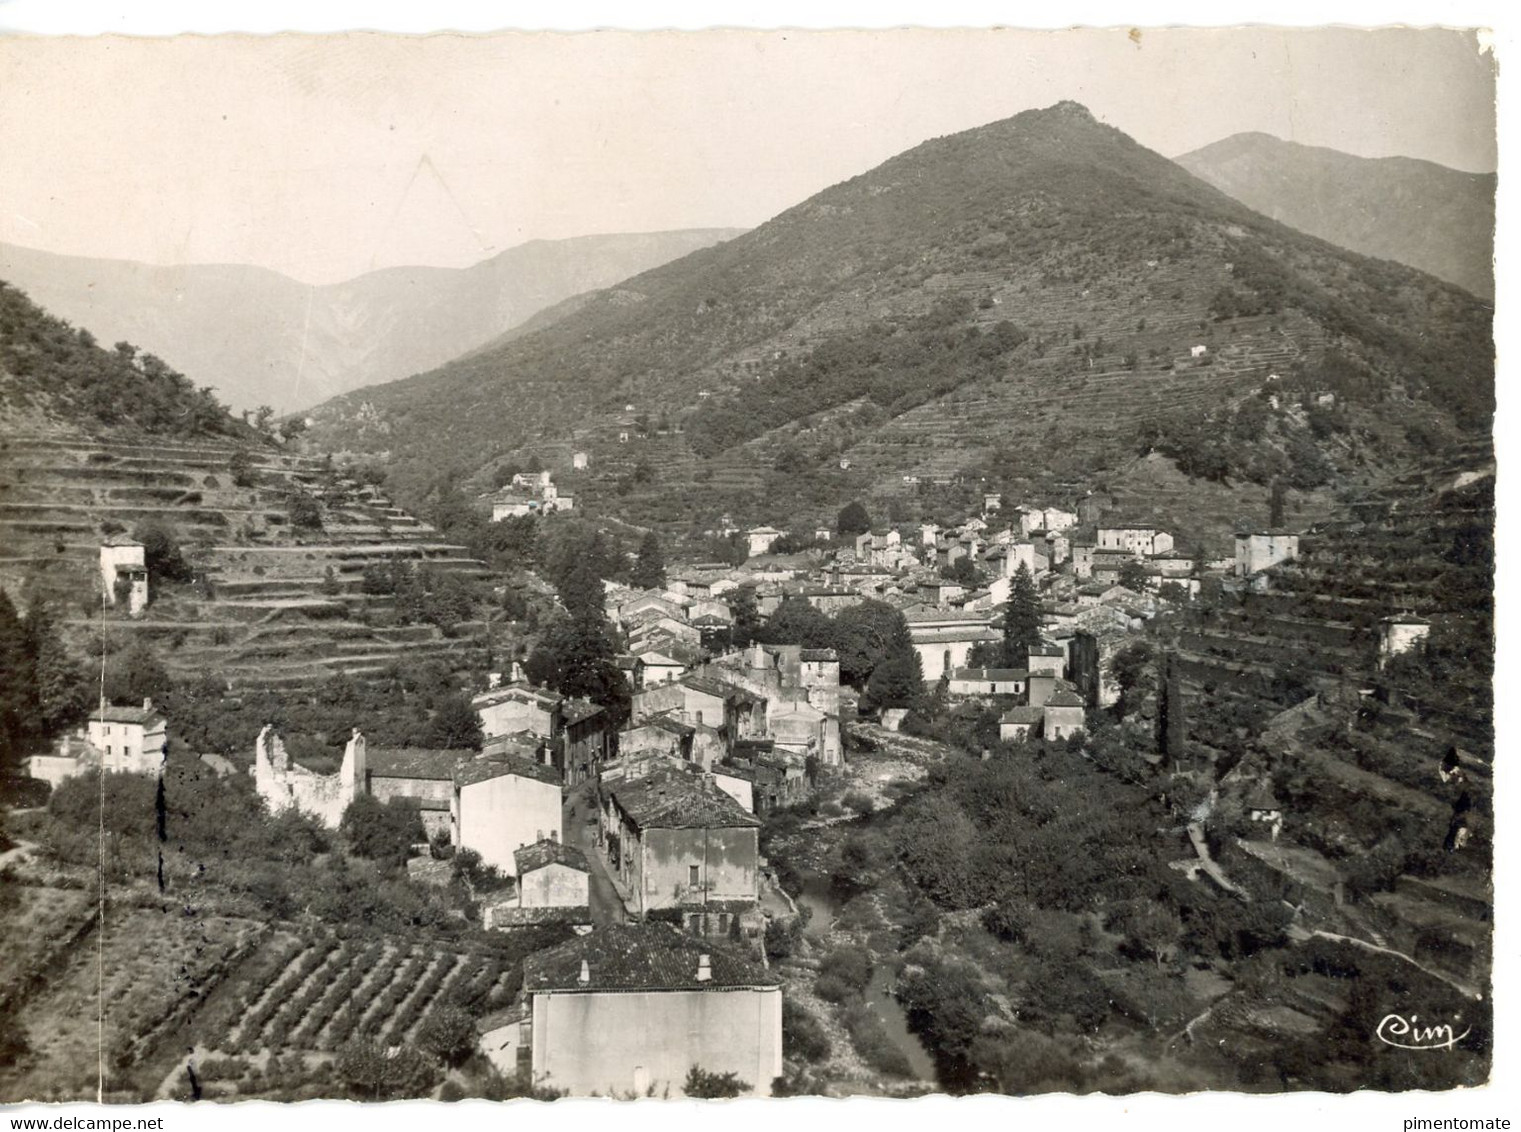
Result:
1420,545
271,604
1012,302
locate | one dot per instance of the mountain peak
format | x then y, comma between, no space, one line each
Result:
1069,109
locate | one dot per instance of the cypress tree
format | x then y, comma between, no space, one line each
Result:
1021,620
649,566
1171,721
62,693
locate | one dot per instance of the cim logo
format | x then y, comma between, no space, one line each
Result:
1395,1030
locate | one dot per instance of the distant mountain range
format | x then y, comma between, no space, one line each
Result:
1414,212
258,337
1038,301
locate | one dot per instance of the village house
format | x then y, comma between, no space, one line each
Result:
656,668
1258,550
587,740
676,841
1082,559
738,782
1063,715
1174,564
695,700
505,1037
499,805
420,778
987,681
1142,541
1020,723
628,1010
1401,633
130,740
649,628
777,777
1046,659
552,874
761,539
1262,808
709,607
659,735
1006,559
517,709
798,727
830,600
630,609
992,501
944,639
1058,519
783,676
124,574
283,783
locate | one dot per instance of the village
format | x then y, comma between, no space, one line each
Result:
737,591
643,836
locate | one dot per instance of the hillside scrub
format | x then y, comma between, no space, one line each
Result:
117,387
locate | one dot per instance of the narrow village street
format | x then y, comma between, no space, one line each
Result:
580,826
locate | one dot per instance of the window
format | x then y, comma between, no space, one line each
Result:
694,875
723,923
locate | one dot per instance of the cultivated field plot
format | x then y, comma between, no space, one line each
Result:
317,993
173,982
152,968
40,923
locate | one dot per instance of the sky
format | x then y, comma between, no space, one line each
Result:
323,157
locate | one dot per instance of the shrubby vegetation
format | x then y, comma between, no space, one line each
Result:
118,387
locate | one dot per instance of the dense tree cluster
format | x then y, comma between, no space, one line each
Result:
575,654
43,691
872,639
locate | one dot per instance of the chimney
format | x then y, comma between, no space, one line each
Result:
493,680
148,703
704,969
585,977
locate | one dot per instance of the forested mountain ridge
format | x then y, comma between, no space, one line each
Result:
1036,289
259,337
1417,213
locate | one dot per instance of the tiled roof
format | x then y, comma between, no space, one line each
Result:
411,762
989,674
1065,699
120,540
144,716
575,711
665,723
650,956
954,633
518,917
681,801
546,852
709,687
517,691
521,745
1030,715
931,616
819,655
480,770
